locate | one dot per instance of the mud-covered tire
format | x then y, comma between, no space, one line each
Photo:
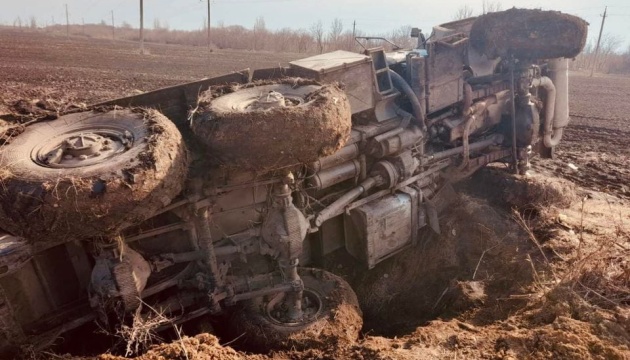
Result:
315,122
529,34
339,319
140,165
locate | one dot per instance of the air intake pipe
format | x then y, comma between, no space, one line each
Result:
557,107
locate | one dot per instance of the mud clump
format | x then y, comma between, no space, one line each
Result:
301,131
465,295
529,34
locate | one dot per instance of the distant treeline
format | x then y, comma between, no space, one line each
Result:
317,38
610,59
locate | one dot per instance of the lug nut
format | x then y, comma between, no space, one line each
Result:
83,157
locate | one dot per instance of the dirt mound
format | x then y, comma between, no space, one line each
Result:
313,121
472,263
200,347
538,191
529,34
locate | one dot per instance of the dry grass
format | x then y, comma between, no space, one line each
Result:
142,332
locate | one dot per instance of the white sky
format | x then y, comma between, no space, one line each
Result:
372,17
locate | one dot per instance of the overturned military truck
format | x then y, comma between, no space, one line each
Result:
227,193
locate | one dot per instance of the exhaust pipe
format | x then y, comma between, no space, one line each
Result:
557,109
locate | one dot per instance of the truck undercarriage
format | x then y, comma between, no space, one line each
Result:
228,193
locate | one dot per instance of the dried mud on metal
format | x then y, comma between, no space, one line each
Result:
526,267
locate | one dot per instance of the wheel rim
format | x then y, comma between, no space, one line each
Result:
276,309
82,147
270,100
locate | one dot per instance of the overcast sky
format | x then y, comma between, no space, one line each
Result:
372,17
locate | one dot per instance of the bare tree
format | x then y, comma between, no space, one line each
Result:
33,22
282,39
491,6
463,12
610,44
317,31
304,39
402,37
607,50
260,33
334,35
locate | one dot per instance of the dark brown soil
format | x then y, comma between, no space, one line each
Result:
37,65
596,139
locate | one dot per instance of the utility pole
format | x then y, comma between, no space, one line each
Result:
141,27
67,23
83,26
354,32
113,27
599,38
208,24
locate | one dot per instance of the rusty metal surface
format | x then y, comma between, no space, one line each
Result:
351,69
445,75
380,228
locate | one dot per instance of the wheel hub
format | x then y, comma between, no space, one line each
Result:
270,100
82,148
273,99
89,144
278,310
